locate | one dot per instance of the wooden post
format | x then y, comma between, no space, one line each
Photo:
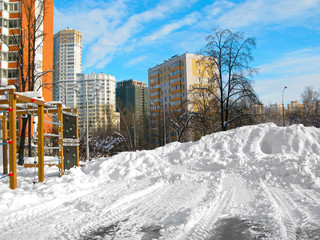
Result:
13,138
77,128
40,145
5,146
60,119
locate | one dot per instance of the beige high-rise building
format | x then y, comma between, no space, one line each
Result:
66,64
170,85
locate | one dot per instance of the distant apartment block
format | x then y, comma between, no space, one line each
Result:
170,84
101,103
132,96
276,109
67,63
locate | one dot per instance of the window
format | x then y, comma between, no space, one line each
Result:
198,63
175,103
12,56
207,72
4,56
14,7
14,23
175,72
5,22
207,64
198,71
14,39
13,73
173,65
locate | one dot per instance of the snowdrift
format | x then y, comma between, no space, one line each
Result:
259,177
281,155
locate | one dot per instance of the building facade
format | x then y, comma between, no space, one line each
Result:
170,85
132,96
67,63
26,45
97,93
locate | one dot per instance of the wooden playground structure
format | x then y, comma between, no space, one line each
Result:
18,103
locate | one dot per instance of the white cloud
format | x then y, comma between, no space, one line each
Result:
112,40
135,61
92,22
167,29
264,12
296,70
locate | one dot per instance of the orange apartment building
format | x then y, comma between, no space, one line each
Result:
15,17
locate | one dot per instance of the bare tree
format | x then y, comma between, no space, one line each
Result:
181,123
231,54
310,95
206,120
24,41
309,114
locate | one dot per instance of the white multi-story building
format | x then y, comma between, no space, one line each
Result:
66,64
98,91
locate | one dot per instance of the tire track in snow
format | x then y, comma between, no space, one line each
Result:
51,217
202,228
287,222
307,195
53,207
119,210
168,209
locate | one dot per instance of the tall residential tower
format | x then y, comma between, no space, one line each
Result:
67,63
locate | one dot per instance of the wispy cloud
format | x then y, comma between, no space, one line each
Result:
135,61
107,27
169,28
296,70
264,12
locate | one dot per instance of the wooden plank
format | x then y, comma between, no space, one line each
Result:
4,101
36,111
31,165
60,141
9,90
13,138
40,145
25,99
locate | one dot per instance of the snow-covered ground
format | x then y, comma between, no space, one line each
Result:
255,182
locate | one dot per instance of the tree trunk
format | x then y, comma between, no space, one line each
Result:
22,140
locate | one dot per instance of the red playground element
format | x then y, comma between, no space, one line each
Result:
32,100
10,141
10,174
10,109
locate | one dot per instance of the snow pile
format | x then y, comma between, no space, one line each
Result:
279,155
263,179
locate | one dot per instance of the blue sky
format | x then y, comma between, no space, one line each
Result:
126,37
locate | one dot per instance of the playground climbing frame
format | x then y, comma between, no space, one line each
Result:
14,103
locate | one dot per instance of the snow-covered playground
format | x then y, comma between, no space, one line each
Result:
254,182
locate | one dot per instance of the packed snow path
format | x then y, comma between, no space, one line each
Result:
257,182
